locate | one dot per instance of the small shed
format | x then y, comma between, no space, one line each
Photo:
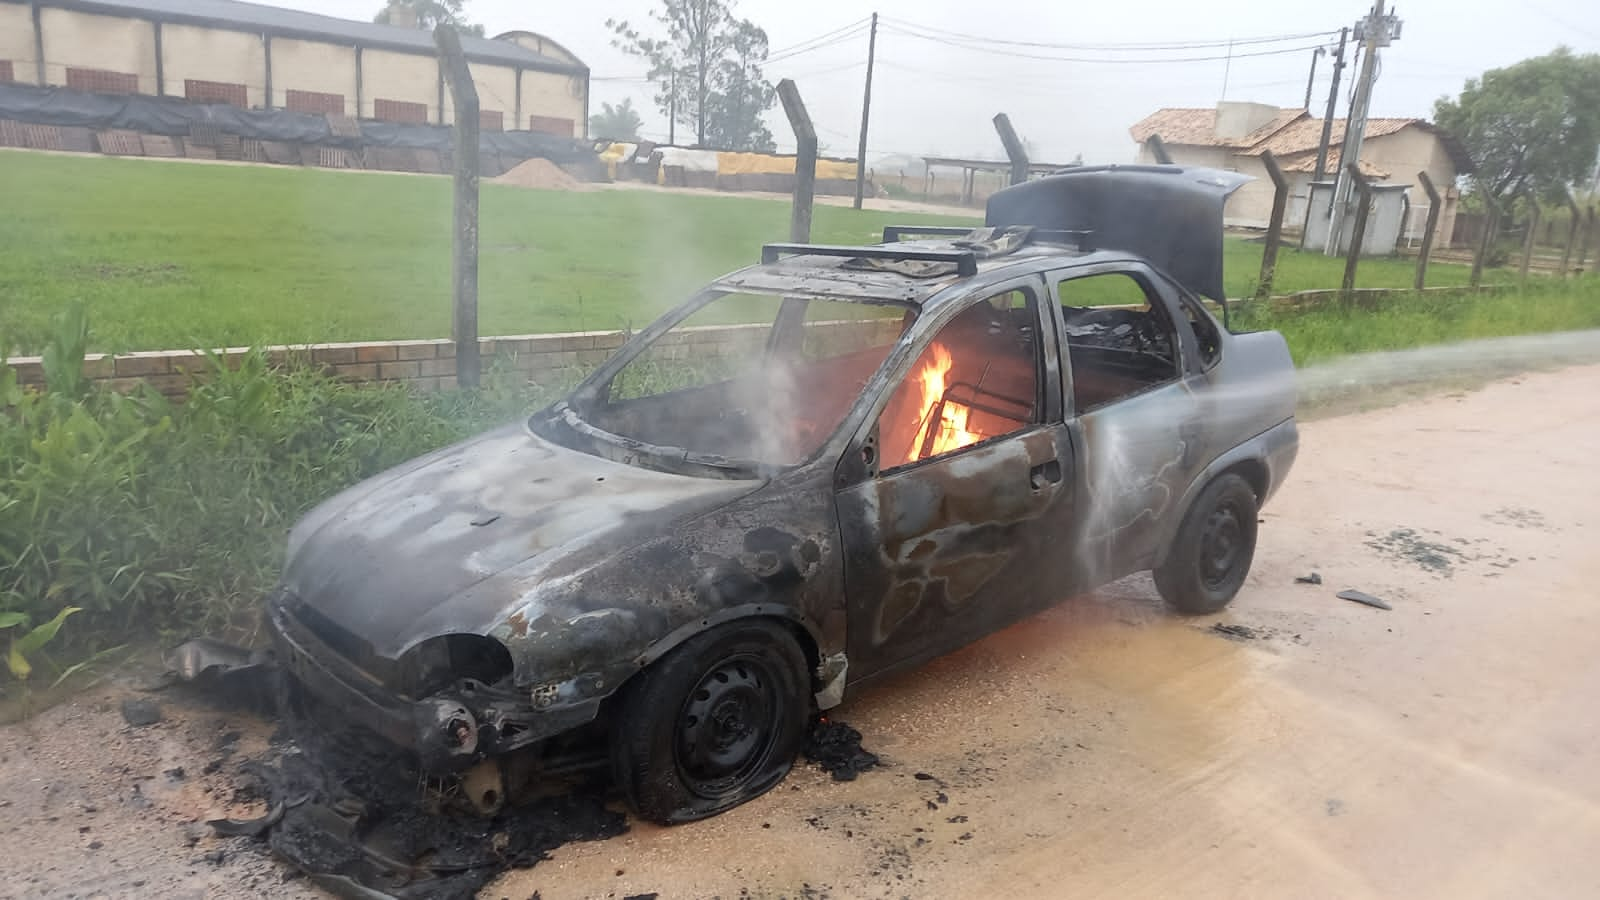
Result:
1385,218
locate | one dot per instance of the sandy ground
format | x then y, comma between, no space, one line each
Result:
886,204
1103,748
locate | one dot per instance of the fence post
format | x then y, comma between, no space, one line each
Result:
1589,234
1280,201
1158,149
464,238
1529,237
1427,235
1014,149
805,161
1572,234
1358,229
1484,240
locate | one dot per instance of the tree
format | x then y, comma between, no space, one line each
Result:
1530,126
425,14
707,70
619,123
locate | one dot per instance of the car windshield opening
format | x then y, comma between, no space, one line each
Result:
748,377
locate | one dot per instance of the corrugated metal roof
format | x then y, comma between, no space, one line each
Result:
241,16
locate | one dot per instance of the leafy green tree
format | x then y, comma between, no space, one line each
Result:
425,14
1532,126
707,68
619,123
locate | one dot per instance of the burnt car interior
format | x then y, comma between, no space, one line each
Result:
774,402
977,380
1120,341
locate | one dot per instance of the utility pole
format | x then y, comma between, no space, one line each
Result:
1312,78
866,109
672,107
1333,107
1376,30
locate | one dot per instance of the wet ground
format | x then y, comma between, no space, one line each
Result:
1310,746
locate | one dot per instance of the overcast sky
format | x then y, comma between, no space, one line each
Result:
932,97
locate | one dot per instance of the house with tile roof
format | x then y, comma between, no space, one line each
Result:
1233,136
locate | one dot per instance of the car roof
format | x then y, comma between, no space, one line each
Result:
843,278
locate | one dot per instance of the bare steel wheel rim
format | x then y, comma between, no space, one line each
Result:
1222,546
728,726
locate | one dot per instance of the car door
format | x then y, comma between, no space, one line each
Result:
947,537
1134,410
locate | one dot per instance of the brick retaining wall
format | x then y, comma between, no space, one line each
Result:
427,365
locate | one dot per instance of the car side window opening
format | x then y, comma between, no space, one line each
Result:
1120,341
751,377
977,380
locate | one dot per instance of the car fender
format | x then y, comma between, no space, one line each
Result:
1269,455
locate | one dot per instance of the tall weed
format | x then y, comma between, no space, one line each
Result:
151,515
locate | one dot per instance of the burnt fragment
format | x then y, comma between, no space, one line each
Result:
836,749
140,713
1364,598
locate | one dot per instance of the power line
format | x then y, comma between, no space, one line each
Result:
821,37
821,42
931,32
1158,60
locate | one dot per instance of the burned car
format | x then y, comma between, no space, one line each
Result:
821,469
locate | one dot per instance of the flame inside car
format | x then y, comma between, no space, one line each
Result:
942,423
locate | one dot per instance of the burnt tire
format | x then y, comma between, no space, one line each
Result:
715,722
1211,553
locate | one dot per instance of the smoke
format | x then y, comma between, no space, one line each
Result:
1371,374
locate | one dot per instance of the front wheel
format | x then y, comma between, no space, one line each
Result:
714,723
1212,551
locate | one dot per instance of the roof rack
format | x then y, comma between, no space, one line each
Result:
966,261
1082,238
893,233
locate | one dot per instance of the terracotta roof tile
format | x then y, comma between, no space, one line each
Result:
1198,128
1306,162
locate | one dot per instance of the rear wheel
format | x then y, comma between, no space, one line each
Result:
712,724
1213,549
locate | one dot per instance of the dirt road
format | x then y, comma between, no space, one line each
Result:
1322,748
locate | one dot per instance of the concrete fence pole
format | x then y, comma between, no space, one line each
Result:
1572,233
1529,237
1014,149
1280,202
1434,210
805,161
464,239
1590,234
1358,228
1158,149
1490,222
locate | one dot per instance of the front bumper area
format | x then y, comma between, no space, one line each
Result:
447,731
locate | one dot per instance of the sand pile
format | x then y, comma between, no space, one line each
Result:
541,174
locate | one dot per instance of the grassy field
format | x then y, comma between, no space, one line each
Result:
1326,331
170,255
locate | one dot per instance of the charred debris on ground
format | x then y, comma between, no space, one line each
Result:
359,820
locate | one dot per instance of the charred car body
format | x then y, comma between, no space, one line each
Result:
727,526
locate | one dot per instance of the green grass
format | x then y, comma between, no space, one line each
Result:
1324,331
171,255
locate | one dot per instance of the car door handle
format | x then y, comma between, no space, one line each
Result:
1045,473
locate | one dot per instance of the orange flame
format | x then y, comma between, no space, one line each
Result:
951,425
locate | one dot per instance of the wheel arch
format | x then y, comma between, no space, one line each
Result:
805,632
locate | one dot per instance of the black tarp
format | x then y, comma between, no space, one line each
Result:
174,117
1170,215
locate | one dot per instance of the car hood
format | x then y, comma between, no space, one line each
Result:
386,560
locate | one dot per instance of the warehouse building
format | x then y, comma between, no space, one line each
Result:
263,57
